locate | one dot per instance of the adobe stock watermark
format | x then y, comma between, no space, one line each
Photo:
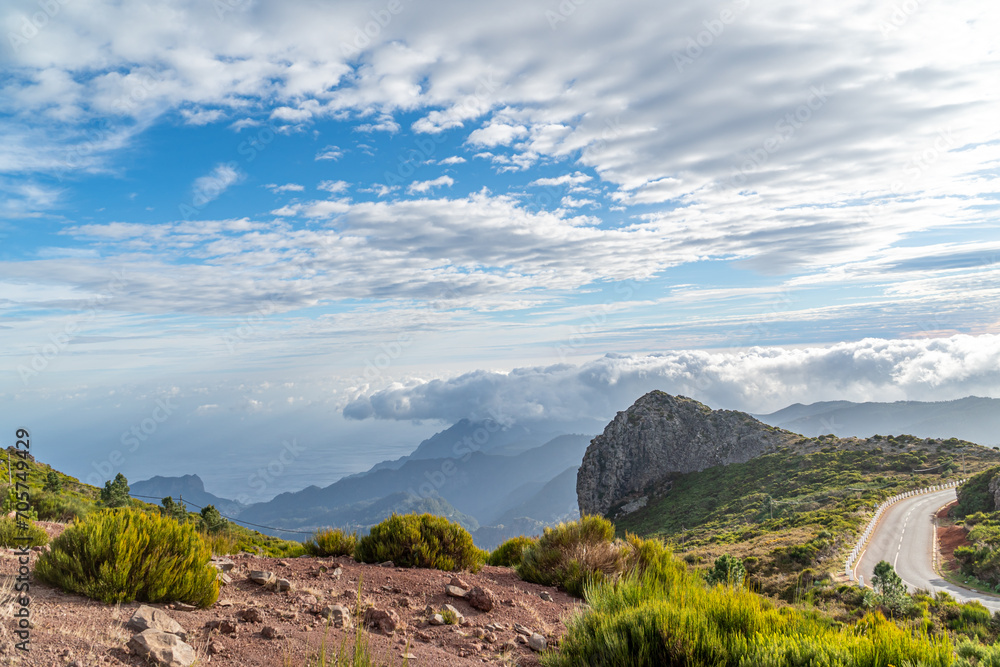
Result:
915,169
363,35
223,7
131,440
58,341
900,16
379,363
227,173
922,160
565,9
34,24
784,131
266,475
714,28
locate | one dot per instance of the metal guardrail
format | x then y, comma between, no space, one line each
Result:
859,548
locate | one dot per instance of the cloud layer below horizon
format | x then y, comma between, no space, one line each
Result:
757,380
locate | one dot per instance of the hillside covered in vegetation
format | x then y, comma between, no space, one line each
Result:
791,512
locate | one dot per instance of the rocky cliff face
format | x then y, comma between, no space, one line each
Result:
662,434
994,491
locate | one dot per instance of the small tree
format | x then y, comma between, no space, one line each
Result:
889,587
211,519
115,494
176,510
728,570
53,482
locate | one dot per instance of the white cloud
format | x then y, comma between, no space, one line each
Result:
755,379
243,123
333,187
385,123
572,202
330,153
496,134
210,186
287,187
576,178
454,159
425,186
202,116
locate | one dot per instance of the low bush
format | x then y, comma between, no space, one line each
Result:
423,540
10,533
125,554
509,553
573,554
61,508
330,542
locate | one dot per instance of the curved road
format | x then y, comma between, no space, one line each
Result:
905,538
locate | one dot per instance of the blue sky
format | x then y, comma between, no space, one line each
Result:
351,223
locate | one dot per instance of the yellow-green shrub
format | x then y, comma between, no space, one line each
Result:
664,615
9,534
58,507
509,553
424,540
573,553
330,542
123,555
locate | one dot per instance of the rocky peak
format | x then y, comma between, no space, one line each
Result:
662,434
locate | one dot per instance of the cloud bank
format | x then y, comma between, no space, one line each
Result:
759,380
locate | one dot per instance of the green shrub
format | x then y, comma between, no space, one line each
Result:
509,553
422,540
61,508
572,554
125,555
974,496
10,532
330,542
12,503
664,615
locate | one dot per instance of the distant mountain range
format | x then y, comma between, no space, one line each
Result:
503,481
496,482
974,419
188,488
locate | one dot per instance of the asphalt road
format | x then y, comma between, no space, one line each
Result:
905,538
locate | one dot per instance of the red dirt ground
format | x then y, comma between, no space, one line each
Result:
949,537
73,630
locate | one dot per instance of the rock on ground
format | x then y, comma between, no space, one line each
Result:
164,648
150,618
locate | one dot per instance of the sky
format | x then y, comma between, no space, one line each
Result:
306,235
